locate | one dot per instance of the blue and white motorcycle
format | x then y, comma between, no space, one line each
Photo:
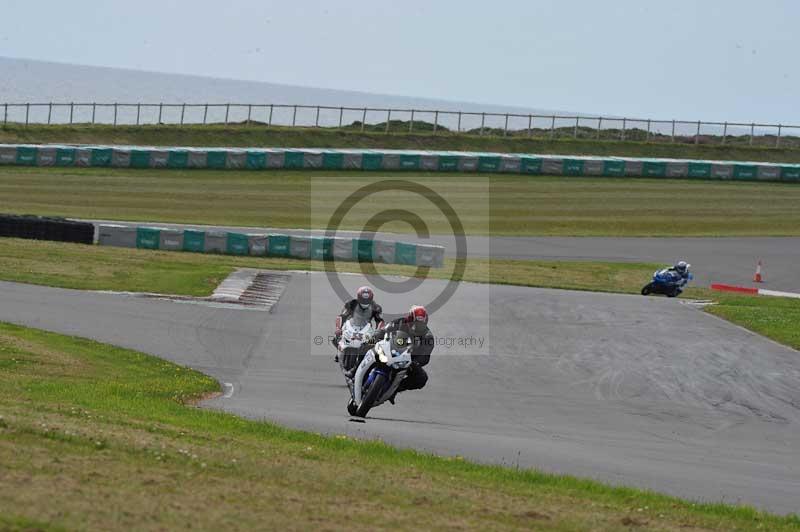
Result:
380,373
667,282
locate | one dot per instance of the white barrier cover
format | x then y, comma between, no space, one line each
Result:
171,239
116,235
216,242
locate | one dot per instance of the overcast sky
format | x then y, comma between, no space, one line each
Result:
709,59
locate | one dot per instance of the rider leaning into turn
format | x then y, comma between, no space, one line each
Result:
681,268
415,324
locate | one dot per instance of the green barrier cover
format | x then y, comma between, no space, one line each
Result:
614,168
745,171
293,159
237,244
216,159
65,156
256,160
362,249
140,158
531,165
372,161
790,173
332,161
409,161
278,246
405,254
147,238
448,163
488,163
177,159
699,169
194,241
100,157
26,156
572,167
654,169
321,248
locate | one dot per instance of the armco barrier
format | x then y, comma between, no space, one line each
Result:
272,245
389,160
40,228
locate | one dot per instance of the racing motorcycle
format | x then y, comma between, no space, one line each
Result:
353,342
666,282
380,373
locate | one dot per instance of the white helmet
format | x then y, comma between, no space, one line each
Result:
682,267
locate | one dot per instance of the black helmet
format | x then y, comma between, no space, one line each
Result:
365,297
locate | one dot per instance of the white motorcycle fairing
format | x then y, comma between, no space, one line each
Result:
396,359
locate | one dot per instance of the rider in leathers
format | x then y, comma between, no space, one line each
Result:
415,324
364,309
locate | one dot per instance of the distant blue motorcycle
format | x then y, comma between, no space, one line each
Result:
666,282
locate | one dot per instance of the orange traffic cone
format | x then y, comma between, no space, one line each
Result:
757,277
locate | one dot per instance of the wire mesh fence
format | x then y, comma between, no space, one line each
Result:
406,121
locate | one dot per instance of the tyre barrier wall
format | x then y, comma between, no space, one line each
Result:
271,245
40,228
330,159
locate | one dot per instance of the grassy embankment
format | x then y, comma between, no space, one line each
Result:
96,437
352,137
104,268
497,205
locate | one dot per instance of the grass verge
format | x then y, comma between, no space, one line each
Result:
98,437
259,135
496,204
120,269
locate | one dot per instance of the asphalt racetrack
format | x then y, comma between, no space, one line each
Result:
647,392
729,260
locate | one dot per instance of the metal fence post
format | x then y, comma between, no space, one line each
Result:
411,122
227,113
599,126
316,119
294,116
673,131
138,112
724,132
27,112
388,119
161,111
622,133
647,137
49,113
71,109
752,132
459,121
575,132
697,136
505,126
115,114
778,138
272,107
530,125
435,121
249,112
483,122
553,127
183,112
363,119
5,113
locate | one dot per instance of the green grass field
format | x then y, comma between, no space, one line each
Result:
106,268
95,437
497,205
259,135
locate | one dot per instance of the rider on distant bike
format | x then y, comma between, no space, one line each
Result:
415,324
363,308
681,268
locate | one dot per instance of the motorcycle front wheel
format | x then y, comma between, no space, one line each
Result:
372,395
